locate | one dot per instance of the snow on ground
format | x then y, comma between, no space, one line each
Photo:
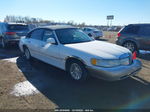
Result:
144,52
24,89
12,60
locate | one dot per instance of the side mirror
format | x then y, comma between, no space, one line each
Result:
51,41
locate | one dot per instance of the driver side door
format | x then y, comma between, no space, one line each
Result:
50,52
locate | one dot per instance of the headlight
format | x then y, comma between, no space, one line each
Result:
109,63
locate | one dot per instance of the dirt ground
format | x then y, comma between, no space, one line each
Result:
36,85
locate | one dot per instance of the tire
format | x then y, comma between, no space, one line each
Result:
3,43
131,46
77,70
27,54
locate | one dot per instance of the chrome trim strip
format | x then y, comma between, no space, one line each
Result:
47,55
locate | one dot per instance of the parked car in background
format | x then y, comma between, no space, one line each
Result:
93,32
135,37
10,33
70,49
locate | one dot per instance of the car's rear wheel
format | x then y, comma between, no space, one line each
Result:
27,53
77,70
131,46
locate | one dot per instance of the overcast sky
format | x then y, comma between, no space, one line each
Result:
89,11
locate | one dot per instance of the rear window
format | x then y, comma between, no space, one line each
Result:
89,29
131,29
18,27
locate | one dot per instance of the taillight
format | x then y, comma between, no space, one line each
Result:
10,33
119,34
134,56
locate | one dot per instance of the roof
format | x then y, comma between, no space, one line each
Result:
16,24
141,24
56,27
12,23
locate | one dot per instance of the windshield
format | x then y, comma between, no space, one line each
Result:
72,35
94,29
18,27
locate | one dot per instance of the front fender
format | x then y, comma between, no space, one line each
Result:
76,57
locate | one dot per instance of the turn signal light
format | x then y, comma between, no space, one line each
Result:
94,61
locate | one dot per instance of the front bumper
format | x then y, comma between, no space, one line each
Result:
116,73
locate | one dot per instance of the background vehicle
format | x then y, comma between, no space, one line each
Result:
10,33
70,49
93,32
135,37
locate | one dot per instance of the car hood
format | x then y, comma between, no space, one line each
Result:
101,49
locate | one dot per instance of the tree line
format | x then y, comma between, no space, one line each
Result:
31,20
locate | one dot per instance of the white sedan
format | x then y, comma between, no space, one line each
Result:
70,49
93,32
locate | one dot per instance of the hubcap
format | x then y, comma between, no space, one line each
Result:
130,46
75,71
27,54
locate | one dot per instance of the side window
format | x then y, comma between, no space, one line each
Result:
37,34
145,31
48,34
131,29
84,29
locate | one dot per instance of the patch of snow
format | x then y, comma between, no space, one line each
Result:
20,70
24,89
12,60
144,52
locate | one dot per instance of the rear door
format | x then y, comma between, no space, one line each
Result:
131,32
33,42
145,37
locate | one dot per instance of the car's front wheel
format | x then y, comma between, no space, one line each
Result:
77,70
27,53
